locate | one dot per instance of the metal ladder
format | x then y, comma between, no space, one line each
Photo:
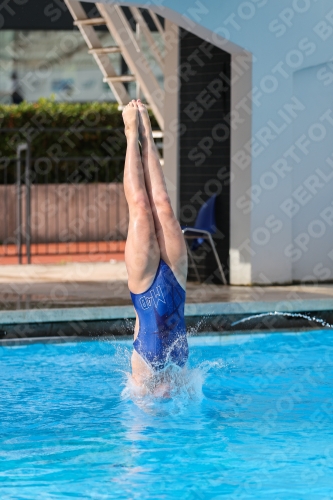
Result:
127,45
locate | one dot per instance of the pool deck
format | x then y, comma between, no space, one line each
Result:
98,291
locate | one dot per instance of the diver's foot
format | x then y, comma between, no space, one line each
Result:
145,131
131,119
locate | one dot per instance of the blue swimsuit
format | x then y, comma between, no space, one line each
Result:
162,332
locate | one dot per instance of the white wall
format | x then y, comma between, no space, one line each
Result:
311,205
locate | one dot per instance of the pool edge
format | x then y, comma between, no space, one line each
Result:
109,313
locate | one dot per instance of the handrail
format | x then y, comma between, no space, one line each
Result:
20,148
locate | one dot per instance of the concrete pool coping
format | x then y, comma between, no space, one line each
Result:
110,313
209,339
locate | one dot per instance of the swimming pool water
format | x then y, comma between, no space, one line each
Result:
255,421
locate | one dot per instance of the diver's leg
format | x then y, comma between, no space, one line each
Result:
169,234
142,253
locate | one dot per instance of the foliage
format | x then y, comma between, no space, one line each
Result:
32,122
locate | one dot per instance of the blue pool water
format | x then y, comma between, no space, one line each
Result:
252,419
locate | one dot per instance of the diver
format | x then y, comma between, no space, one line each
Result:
155,255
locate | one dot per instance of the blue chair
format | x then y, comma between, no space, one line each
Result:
204,227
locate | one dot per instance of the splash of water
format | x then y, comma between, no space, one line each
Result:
183,387
193,330
171,391
292,315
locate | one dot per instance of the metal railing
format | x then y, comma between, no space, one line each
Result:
20,148
61,206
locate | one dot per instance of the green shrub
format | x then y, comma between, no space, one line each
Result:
57,147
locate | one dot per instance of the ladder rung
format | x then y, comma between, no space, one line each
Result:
93,21
120,78
105,50
157,134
